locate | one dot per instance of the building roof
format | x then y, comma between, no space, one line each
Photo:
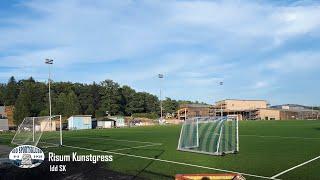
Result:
246,99
106,119
241,100
291,106
195,106
289,110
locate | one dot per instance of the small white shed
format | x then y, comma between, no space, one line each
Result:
4,125
80,122
107,123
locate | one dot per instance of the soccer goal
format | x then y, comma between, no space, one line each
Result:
44,131
214,136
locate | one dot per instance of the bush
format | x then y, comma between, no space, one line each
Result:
146,115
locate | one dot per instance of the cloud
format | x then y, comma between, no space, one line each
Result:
295,62
261,84
194,43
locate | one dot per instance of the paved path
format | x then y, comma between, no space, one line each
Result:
4,151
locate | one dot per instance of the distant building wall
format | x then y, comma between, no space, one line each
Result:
9,113
288,115
105,124
239,105
268,114
45,126
193,110
4,126
119,121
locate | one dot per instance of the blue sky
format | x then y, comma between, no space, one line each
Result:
260,49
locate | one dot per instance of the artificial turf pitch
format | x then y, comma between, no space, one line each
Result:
266,149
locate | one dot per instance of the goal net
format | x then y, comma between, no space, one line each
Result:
44,131
214,136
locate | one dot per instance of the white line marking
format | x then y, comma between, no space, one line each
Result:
136,147
302,164
167,161
123,140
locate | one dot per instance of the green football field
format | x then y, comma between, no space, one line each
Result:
278,149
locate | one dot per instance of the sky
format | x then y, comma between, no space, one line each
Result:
260,49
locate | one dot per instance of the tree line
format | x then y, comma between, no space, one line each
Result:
30,98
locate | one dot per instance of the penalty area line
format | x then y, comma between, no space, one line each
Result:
168,161
295,167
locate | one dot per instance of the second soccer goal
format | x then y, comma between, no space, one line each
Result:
44,131
214,136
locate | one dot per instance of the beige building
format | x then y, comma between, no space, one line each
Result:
7,113
254,110
243,109
239,105
45,126
268,114
246,110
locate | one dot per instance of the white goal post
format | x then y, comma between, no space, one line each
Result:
209,135
43,131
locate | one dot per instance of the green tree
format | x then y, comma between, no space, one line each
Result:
151,103
95,99
110,97
11,92
127,94
2,91
67,104
169,105
72,106
30,100
84,96
59,104
22,106
90,110
137,104
95,90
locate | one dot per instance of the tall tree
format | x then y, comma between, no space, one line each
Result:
110,97
59,104
151,103
2,90
84,96
11,92
22,105
137,104
67,104
72,105
169,105
30,98
127,95
90,110
95,90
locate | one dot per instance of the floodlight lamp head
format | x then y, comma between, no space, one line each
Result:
160,75
49,61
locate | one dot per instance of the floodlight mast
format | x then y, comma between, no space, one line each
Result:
160,76
49,62
221,110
